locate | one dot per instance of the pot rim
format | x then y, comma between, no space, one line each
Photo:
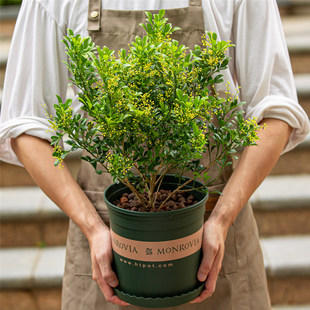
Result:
139,214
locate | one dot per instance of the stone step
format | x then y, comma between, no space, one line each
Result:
287,263
26,268
297,35
294,7
35,299
281,207
9,12
12,175
35,275
31,278
40,222
4,52
294,162
302,82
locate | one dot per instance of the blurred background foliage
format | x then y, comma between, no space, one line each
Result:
10,2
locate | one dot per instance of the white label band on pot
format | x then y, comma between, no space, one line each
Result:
150,251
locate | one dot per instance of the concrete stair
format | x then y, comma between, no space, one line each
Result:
295,161
288,268
9,172
33,230
294,7
40,223
282,206
31,278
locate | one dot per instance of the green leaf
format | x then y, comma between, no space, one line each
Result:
206,177
217,192
161,14
196,129
179,94
176,29
59,99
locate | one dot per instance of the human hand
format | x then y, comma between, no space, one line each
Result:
213,247
102,257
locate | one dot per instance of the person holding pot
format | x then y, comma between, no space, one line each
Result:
232,265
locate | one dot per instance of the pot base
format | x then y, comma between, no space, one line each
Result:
164,302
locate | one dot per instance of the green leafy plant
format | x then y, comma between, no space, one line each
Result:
152,109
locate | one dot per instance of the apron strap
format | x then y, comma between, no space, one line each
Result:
195,3
94,15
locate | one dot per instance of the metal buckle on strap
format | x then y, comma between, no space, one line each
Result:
94,15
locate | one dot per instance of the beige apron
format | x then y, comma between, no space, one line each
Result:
241,283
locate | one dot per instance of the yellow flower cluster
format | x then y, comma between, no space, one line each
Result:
66,117
118,164
205,41
250,128
184,114
58,152
213,54
63,122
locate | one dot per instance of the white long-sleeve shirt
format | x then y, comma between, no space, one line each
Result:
35,72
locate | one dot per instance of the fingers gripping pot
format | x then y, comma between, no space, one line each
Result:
157,254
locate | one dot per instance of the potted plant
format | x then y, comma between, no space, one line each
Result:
153,110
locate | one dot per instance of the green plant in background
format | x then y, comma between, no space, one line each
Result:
10,2
151,109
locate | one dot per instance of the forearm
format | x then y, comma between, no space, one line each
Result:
58,184
254,165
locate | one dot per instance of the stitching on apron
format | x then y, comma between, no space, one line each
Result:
82,275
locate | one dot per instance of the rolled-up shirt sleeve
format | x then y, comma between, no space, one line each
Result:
263,67
35,73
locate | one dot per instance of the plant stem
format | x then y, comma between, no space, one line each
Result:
141,176
184,184
157,192
168,167
134,190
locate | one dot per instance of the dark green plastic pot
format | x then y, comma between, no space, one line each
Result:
157,255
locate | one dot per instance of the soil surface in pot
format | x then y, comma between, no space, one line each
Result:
177,201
